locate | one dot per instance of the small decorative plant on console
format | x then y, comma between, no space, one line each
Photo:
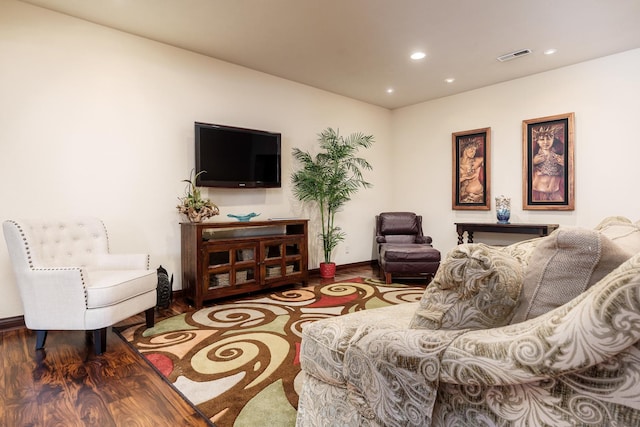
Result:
192,204
328,181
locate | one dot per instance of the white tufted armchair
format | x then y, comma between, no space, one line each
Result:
68,280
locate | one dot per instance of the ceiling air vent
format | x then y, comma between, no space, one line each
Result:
514,55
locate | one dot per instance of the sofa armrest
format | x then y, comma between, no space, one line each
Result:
394,374
51,292
425,240
592,328
324,342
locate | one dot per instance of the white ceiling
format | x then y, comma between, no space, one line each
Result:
359,48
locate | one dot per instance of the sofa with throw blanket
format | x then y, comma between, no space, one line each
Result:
540,333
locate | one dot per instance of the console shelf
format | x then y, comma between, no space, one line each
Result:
221,259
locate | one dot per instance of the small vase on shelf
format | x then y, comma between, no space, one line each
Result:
503,209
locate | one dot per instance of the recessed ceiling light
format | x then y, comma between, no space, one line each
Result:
418,55
450,80
550,51
390,90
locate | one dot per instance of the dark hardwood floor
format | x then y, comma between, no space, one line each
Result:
68,385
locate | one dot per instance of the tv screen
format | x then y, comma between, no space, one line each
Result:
236,157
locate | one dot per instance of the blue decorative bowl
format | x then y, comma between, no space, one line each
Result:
243,218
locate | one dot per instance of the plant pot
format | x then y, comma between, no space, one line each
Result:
199,215
194,215
327,270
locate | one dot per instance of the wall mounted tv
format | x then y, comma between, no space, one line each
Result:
236,157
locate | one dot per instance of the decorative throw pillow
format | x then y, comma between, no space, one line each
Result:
476,287
522,250
622,232
562,266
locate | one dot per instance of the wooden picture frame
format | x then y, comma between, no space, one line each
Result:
547,171
471,169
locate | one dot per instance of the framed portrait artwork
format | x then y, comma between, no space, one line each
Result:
547,157
471,169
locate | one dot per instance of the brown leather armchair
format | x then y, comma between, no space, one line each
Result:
403,249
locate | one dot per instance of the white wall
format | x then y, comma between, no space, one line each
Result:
98,122
604,96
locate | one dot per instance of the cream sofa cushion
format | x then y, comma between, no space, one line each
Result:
477,286
562,266
105,288
622,232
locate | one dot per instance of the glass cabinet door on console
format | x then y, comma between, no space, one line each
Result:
230,266
293,257
280,258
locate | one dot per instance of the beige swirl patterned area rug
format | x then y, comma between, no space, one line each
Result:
237,361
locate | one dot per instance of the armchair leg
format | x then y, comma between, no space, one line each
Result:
100,340
381,272
149,317
41,337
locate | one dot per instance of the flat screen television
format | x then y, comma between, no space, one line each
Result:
236,157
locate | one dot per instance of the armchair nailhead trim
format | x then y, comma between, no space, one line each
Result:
27,249
105,233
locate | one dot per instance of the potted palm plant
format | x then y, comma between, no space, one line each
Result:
192,204
328,180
